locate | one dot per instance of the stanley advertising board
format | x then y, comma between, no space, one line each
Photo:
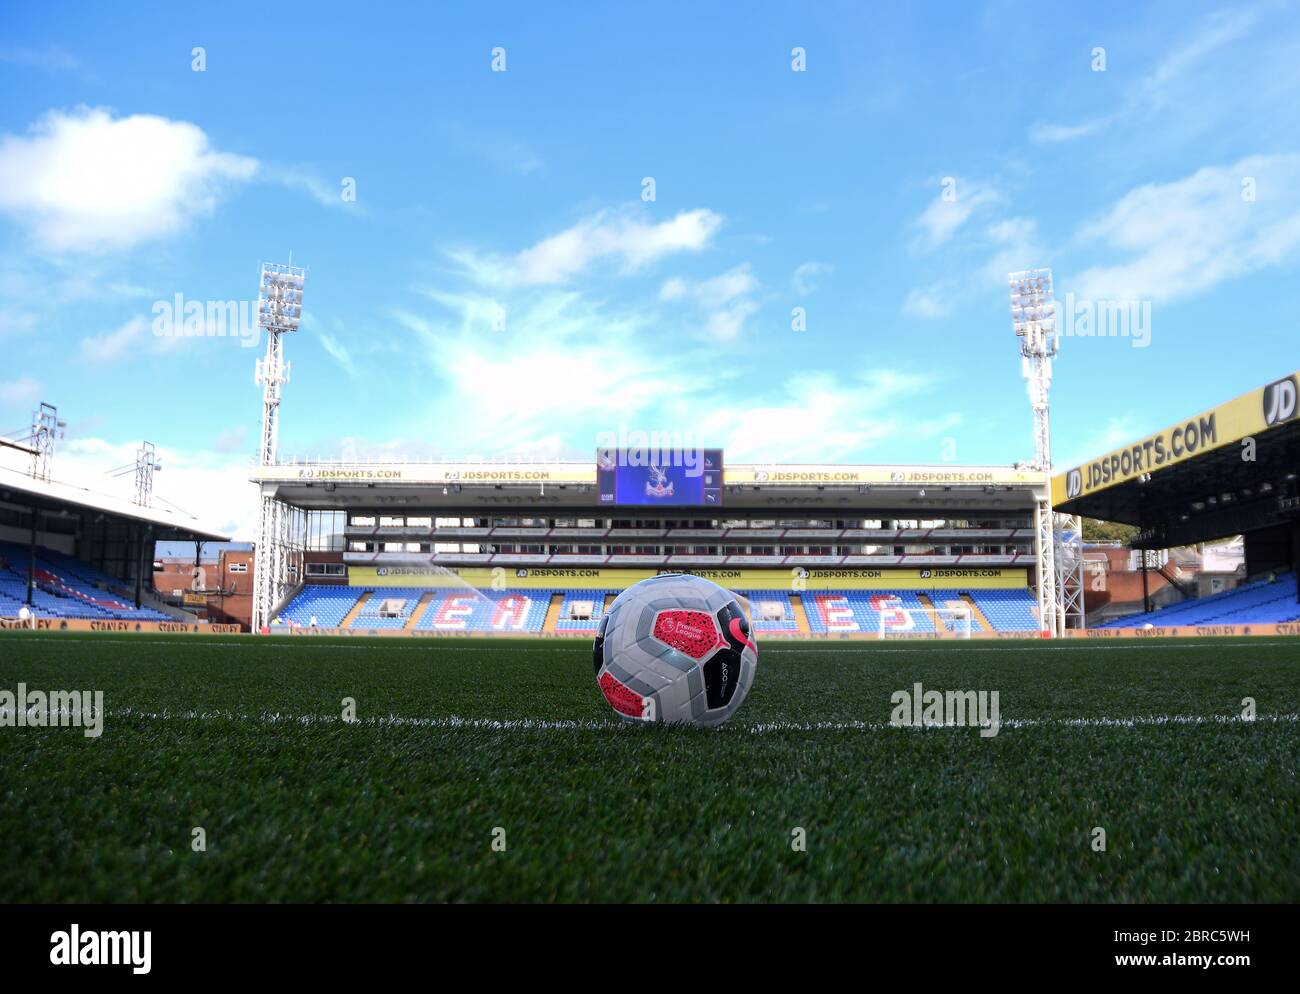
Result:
1230,423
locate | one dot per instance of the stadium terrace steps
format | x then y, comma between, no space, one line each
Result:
800,615
552,613
357,608
928,607
425,600
981,623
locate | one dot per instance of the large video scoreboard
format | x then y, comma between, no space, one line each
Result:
659,478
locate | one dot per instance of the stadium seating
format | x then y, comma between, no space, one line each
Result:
65,587
1260,602
1008,610
485,611
448,610
328,604
761,625
832,612
567,624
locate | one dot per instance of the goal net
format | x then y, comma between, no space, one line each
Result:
905,622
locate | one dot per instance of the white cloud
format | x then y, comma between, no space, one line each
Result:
1044,132
1180,238
824,417
22,392
623,238
807,276
933,301
337,351
325,193
579,369
1117,431
1152,94
942,218
124,340
231,439
563,362
87,181
48,59
16,322
726,299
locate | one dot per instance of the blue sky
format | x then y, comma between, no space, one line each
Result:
500,286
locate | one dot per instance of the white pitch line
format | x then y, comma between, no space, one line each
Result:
453,722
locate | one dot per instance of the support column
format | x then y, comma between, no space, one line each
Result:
1295,555
31,558
139,563
1146,594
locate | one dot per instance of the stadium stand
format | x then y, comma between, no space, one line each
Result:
64,587
842,611
1271,599
448,610
829,612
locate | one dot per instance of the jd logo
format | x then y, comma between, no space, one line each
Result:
925,574
1074,484
1280,401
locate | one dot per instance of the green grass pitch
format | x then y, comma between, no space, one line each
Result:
243,738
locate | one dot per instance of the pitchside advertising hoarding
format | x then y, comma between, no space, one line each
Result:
666,478
795,579
1231,423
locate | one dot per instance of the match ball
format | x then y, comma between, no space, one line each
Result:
675,648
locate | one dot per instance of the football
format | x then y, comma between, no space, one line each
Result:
675,648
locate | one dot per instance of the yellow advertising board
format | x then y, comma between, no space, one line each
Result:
946,475
1230,423
585,473
599,578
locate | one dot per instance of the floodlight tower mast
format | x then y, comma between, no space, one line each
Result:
279,311
46,429
1057,537
146,464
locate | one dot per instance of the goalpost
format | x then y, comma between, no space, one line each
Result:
901,622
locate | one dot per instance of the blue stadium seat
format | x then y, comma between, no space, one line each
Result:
65,587
1262,601
761,625
566,624
1008,610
